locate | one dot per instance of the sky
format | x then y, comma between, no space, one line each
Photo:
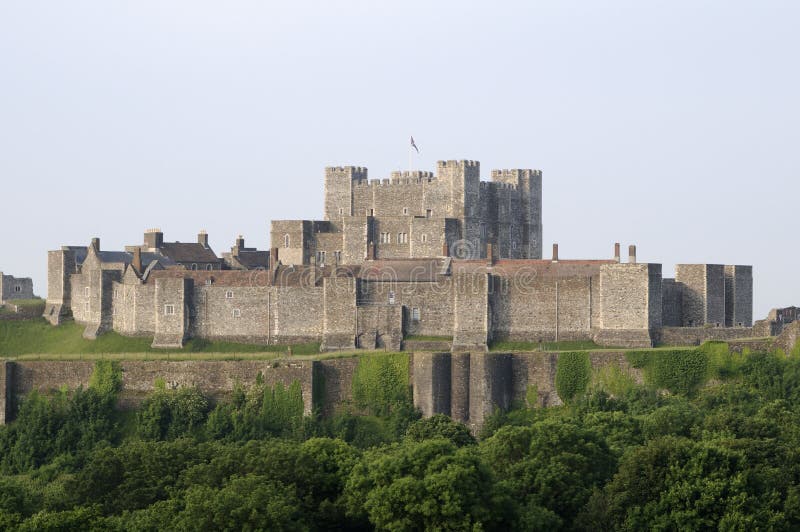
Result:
672,125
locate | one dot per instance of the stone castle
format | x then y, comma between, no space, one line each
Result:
443,256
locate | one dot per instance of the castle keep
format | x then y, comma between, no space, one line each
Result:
419,254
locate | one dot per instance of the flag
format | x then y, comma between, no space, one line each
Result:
414,144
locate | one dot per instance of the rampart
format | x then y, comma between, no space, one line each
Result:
466,386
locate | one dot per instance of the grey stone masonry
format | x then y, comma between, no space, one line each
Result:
438,259
15,288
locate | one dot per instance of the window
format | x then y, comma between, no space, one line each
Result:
402,238
86,291
86,307
415,314
405,210
209,267
169,310
513,244
391,298
209,282
483,231
194,266
237,313
341,211
321,257
18,288
385,238
424,237
372,212
337,256
286,241
229,294
428,213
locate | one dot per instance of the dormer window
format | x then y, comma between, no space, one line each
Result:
194,266
209,267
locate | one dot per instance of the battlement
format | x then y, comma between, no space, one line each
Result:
356,173
458,164
515,173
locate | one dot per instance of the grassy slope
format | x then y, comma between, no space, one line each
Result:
25,337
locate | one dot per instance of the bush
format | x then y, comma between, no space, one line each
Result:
380,383
572,375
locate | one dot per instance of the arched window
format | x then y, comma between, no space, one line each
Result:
194,266
286,241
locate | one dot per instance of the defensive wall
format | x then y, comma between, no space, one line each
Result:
465,386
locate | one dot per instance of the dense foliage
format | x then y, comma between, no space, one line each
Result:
714,445
572,375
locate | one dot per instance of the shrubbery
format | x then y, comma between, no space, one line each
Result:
721,456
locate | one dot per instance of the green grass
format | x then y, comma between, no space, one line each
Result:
571,345
26,302
423,338
37,337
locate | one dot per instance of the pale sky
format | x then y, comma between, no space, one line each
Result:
672,125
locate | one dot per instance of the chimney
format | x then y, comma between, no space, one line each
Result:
371,251
136,262
273,258
555,252
153,238
240,242
202,238
632,254
616,252
96,244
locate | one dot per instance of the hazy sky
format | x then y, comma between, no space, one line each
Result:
672,125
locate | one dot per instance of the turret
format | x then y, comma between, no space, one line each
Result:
339,190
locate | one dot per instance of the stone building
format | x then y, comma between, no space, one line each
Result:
418,215
15,288
419,255
244,258
193,255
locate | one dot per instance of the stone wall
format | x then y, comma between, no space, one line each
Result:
738,296
15,288
684,336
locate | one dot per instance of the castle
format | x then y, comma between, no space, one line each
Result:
442,255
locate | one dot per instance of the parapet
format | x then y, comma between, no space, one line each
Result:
356,173
457,164
514,175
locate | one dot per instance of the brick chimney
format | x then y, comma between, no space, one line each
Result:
632,254
136,262
616,252
555,252
202,238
